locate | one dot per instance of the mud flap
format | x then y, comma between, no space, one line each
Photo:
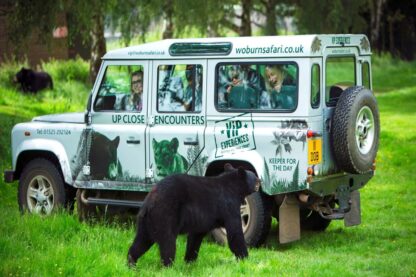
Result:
289,220
353,217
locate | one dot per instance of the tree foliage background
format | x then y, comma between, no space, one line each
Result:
390,24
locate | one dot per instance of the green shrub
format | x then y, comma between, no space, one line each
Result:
70,92
392,74
69,70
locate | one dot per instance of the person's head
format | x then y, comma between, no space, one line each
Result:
235,77
275,75
137,82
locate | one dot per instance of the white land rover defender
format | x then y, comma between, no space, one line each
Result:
296,110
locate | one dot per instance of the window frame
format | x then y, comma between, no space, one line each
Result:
157,89
222,110
97,94
319,85
328,103
368,74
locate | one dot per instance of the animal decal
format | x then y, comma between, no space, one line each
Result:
167,159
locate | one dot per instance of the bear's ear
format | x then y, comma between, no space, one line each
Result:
116,141
154,143
174,144
228,167
241,172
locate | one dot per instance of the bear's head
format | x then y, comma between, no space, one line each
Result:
246,180
22,76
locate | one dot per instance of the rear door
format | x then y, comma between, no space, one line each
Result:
177,118
340,72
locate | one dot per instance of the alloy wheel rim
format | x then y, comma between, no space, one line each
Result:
245,217
40,195
364,130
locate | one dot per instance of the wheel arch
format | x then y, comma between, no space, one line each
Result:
250,161
42,148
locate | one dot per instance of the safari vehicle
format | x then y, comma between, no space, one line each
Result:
296,110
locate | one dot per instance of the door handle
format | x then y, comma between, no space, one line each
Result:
132,141
190,142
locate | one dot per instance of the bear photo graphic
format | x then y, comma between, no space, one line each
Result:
100,153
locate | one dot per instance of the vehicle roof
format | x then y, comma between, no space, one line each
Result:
247,47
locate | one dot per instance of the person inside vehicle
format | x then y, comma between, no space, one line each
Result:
240,95
133,102
279,87
193,78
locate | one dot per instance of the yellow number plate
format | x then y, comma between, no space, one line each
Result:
315,151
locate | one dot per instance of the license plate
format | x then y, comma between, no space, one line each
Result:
315,151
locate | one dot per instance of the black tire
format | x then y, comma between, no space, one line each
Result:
355,130
256,223
312,221
41,188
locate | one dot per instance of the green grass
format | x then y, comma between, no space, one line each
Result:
383,245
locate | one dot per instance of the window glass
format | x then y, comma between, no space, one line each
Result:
340,74
121,89
257,87
315,86
179,88
366,75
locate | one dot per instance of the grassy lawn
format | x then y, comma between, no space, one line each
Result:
383,245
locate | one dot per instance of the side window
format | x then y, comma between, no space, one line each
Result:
179,88
121,89
339,74
257,87
366,74
315,86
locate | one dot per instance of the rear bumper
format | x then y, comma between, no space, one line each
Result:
9,176
329,185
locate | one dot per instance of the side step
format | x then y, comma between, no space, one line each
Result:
114,202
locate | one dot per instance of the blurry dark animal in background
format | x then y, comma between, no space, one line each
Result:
32,81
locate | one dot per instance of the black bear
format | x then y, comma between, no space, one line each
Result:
193,205
33,81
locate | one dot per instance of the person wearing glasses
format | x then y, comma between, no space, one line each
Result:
133,102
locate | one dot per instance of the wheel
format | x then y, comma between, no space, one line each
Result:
256,220
41,188
356,130
312,221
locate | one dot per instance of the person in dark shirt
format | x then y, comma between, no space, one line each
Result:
240,95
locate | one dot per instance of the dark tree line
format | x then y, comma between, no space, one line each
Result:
390,24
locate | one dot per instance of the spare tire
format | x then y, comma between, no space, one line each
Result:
355,130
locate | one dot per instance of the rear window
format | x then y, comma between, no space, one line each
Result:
256,87
366,75
339,74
